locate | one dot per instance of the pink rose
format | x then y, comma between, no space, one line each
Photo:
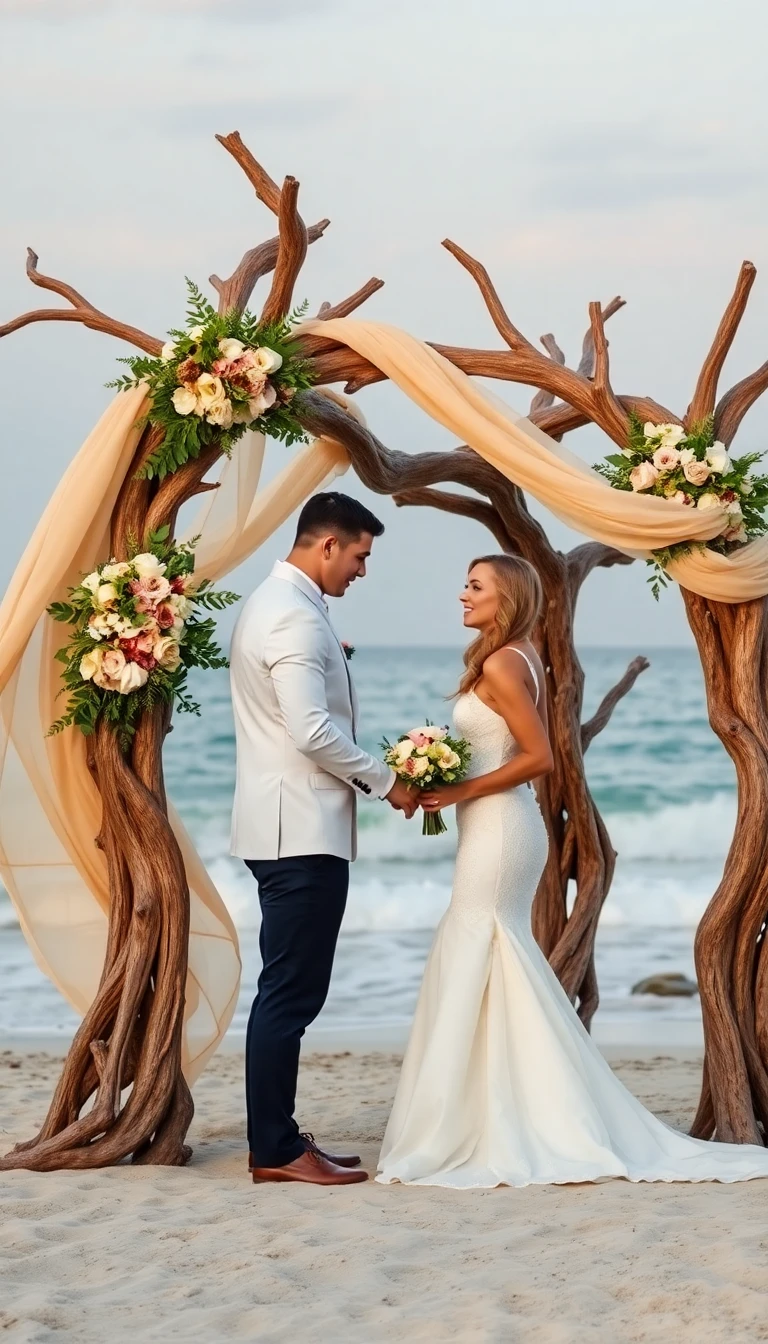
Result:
696,472
112,663
165,616
149,591
643,476
666,459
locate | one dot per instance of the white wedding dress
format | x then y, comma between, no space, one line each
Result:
501,1084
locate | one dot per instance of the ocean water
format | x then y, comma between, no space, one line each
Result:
664,785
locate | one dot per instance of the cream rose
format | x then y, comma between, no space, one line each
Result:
268,361
666,459
209,389
90,663
708,501
686,455
697,473
680,497
91,582
220,414
132,678
418,766
449,759
168,352
230,348
196,333
643,476
166,652
184,400
115,570
403,750
746,486
736,534
717,458
106,594
147,565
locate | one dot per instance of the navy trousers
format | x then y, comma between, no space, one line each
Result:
302,904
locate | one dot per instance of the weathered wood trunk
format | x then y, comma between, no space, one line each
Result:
731,961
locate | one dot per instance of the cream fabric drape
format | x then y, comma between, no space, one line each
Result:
49,805
633,523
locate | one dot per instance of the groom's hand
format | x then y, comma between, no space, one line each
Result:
402,798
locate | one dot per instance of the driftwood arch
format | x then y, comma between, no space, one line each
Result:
131,1035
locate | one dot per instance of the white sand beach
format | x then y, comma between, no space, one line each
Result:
202,1254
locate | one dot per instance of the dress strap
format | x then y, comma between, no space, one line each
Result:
531,667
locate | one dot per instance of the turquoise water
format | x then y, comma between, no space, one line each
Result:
663,783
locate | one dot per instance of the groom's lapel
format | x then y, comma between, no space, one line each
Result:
290,574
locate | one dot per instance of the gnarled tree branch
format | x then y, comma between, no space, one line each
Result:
602,715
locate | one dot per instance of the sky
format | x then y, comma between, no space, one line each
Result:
579,150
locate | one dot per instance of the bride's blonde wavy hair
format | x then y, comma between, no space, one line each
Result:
520,598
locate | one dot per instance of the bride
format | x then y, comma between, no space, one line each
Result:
501,1084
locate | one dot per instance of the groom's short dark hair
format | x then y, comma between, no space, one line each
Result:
335,513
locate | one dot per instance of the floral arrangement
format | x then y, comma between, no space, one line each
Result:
349,650
224,374
136,633
427,756
690,467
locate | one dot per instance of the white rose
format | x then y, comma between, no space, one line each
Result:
697,473
643,476
650,430
241,413
220,414
686,455
268,361
92,582
132,678
746,486
732,508
230,348
148,566
196,333
184,400
115,570
680,497
717,457
449,760
736,534
168,352
708,501
666,459
403,750
107,593
181,605
671,435
90,663
258,405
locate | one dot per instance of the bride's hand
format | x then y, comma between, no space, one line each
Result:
442,795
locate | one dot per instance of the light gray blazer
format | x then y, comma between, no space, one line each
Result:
299,768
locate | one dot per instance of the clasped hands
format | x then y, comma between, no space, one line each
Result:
408,800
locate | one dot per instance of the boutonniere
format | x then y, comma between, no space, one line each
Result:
349,649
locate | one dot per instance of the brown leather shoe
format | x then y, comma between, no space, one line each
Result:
348,1160
311,1168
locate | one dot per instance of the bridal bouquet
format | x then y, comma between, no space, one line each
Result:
224,374
691,467
136,632
425,757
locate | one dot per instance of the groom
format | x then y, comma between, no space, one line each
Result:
299,772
